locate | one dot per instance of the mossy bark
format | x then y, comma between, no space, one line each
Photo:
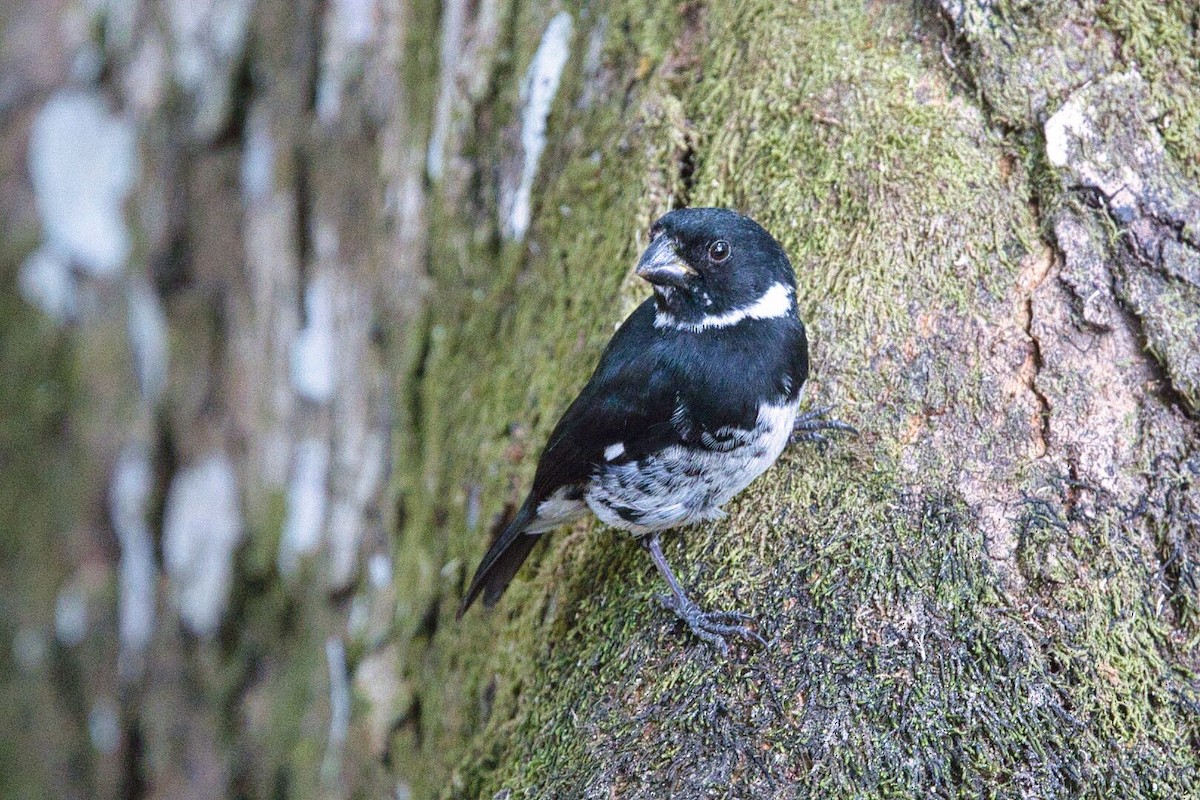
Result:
991,208
991,592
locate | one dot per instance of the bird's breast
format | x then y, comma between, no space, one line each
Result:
685,483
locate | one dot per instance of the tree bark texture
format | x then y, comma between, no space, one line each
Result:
294,292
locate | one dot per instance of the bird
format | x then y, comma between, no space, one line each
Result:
697,394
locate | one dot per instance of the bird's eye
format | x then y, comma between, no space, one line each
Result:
719,250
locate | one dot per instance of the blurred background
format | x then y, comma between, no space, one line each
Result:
212,224
292,291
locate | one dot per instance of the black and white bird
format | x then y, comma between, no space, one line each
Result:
695,396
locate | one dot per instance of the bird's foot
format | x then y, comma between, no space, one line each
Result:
712,626
811,426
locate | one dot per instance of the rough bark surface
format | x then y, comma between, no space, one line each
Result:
294,291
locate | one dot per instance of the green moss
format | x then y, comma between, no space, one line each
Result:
272,679
482,408
1117,657
39,489
420,60
1170,314
1161,38
1027,57
258,558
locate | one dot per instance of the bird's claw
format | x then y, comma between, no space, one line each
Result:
712,626
810,424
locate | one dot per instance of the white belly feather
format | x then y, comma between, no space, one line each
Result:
679,485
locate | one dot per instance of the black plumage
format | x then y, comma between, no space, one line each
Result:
696,394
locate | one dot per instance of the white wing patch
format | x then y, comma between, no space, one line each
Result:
557,509
614,451
775,302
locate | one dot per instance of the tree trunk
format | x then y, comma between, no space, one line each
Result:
295,291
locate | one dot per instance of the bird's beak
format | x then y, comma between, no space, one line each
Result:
661,264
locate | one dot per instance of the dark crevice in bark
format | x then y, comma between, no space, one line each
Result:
388,758
957,56
687,172
1181,573
310,52
304,203
428,625
416,378
959,63
248,658
241,97
133,780
168,268
317,14
1162,386
70,687
1031,382
218,355
339,597
104,41
165,463
281,790
1073,487
412,722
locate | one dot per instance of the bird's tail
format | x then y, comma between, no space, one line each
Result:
503,559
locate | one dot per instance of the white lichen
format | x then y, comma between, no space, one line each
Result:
358,618
307,497
146,81
148,339
207,39
537,98
202,528
1063,130
1104,138
258,158
71,614
83,162
454,15
104,726
137,577
46,283
364,471
339,709
349,27
386,694
379,571
593,64
313,368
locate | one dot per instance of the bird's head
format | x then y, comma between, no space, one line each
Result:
712,267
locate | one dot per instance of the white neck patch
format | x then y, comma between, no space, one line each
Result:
775,302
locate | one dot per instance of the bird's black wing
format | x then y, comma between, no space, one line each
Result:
630,399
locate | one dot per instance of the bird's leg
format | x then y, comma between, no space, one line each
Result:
711,626
810,424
